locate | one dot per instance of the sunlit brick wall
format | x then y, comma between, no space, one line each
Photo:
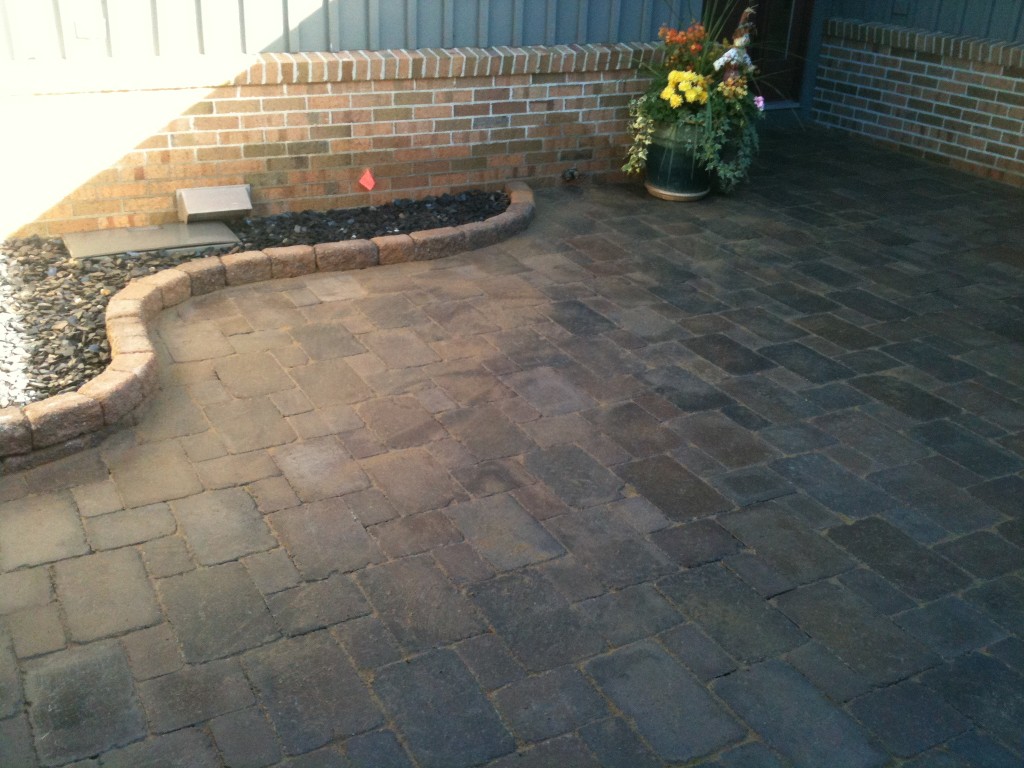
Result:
302,129
952,99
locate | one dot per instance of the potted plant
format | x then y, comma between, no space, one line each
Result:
697,121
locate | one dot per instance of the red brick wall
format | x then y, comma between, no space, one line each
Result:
302,128
956,100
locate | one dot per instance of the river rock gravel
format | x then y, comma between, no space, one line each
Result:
52,332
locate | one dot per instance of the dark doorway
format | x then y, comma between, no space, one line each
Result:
780,46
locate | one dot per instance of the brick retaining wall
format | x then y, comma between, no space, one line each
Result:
956,100
302,128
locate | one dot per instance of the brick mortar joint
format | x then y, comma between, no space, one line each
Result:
470,236
946,45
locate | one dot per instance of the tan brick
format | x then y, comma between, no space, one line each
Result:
173,286
247,267
438,243
291,261
283,103
158,141
215,123
372,129
287,134
150,301
232,106
330,131
394,249
287,163
142,365
62,417
89,208
206,275
117,392
187,138
128,335
308,148
350,254
212,154
15,432
200,108
245,137
514,220
263,120
479,234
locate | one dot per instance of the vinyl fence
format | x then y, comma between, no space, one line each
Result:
996,19
73,29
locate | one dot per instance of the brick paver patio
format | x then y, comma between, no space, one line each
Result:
736,483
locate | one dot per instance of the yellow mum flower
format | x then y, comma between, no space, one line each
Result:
685,86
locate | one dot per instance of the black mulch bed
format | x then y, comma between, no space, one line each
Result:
52,335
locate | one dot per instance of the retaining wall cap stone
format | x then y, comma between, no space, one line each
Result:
130,344
479,234
122,307
246,267
15,431
346,254
207,275
148,295
435,243
142,365
117,392
174,284
291,261
394,249
62,417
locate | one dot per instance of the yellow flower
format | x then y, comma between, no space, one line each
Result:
685,86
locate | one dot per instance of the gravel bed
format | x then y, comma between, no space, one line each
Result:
52,332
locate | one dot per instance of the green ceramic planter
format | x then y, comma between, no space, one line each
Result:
672,170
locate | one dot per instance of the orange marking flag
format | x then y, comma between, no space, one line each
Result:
366,181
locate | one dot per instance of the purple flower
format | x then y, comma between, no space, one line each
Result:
759,102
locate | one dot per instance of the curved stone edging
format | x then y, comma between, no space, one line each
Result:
47,429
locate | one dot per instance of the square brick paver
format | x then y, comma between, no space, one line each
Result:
311,691
216,612
39,529
82,703
437,704
105,594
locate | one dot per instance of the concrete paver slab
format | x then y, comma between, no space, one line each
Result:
725,484
83,245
